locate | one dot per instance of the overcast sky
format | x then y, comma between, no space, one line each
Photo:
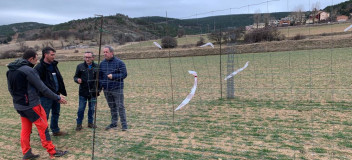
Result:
59,11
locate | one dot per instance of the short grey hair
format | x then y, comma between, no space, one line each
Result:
110,48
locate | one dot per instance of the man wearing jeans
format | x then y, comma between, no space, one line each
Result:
86,78
112,73
51,77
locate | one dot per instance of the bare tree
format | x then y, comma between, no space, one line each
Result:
62,41
315,10
71,40
36,47
22,45
266,19
299,14
257,17
215,36
200,42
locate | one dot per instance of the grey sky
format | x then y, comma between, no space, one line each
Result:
59,11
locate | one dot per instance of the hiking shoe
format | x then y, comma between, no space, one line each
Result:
59,134
30,155
124,129
91,125
79,127
111,126
59,153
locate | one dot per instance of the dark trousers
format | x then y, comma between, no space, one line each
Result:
82,106
115,99
54,107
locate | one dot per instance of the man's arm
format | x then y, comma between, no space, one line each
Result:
123,71
33,79
8,83
77,77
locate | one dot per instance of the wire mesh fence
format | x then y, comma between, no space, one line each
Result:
291,102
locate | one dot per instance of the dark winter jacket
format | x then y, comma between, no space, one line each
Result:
88,76
48,79
117,68
24,85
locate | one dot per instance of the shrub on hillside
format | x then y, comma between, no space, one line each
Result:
129,38
201,41
299,37
140,38
187,46
22,46
215,36
8,54
5,42
263,34
233,34
36,47
180,32
169,42
122,41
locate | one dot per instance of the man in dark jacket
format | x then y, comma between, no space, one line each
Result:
112,73
24,86
51,77
86,78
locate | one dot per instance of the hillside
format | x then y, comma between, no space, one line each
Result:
116,29
206,24
344,8
121,28
10,29
6,31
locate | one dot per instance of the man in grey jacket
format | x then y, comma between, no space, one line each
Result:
24,86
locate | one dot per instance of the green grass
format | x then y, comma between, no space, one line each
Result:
185,40
313,30
288,105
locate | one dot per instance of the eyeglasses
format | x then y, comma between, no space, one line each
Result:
88,57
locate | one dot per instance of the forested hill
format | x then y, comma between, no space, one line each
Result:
202,25
6,31
344,8
123,28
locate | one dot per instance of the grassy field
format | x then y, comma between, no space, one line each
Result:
288,105
183,41
313,30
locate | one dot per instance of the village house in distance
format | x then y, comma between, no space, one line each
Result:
299,18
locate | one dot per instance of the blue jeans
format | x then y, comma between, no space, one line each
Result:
82,106
115,101
54,106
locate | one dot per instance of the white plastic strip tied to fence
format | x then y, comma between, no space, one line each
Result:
193,91
207,44
157,44
237,71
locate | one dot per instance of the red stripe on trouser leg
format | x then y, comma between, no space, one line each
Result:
42,125
25,134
